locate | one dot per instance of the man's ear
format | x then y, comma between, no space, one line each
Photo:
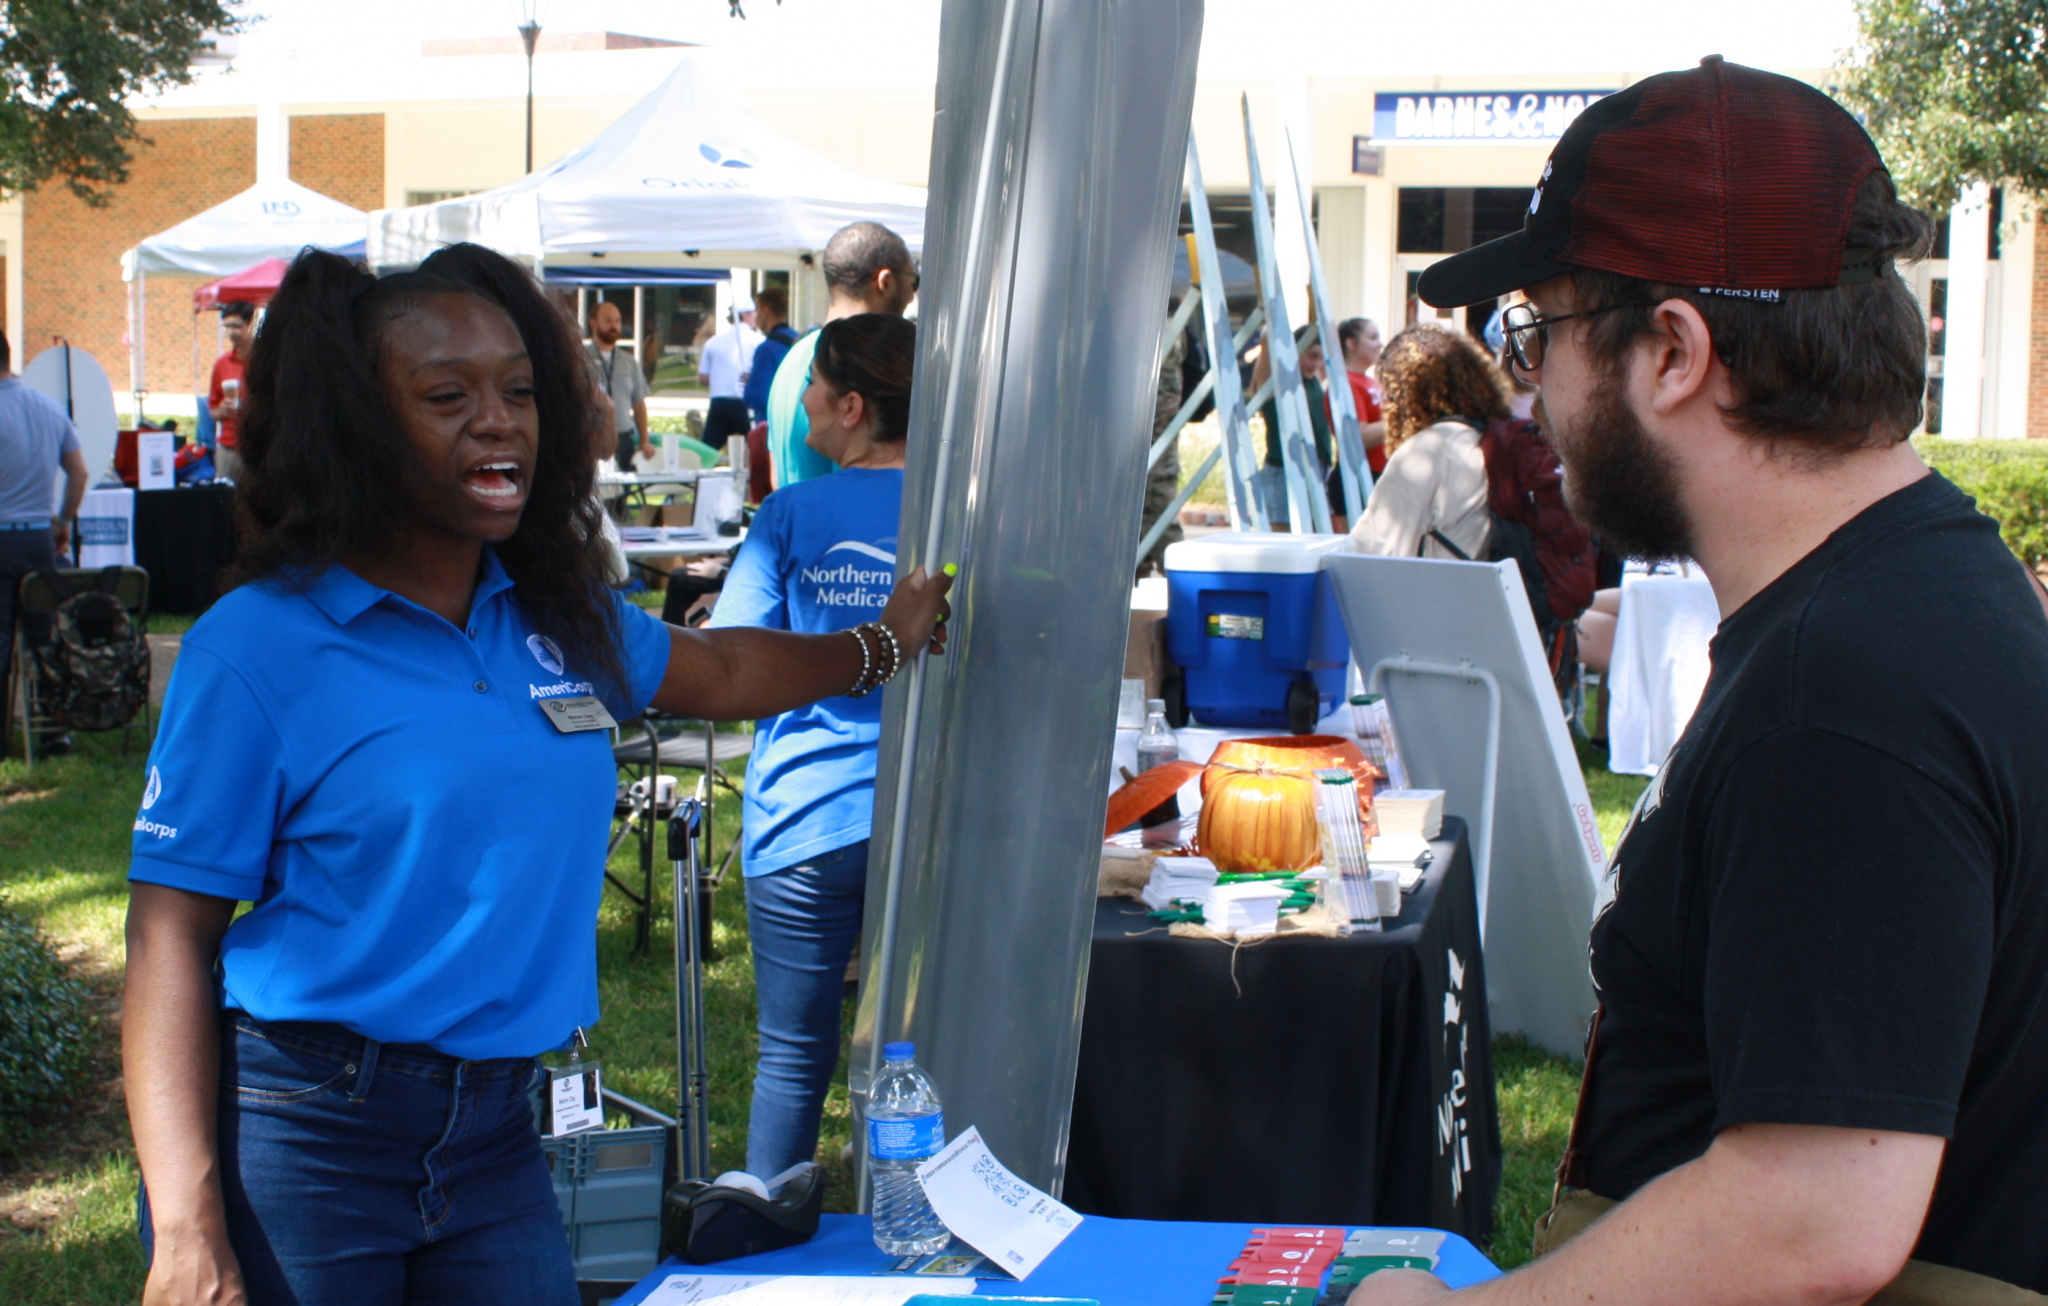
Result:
1683,364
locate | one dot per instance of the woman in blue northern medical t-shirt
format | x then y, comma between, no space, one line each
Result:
391,738
820,557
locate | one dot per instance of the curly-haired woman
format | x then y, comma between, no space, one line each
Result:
390,738
1440,391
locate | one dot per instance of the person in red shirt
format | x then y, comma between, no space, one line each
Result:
1360,340
238,319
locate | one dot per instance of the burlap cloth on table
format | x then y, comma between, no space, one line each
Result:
1126,877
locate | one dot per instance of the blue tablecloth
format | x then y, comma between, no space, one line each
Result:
1116,1262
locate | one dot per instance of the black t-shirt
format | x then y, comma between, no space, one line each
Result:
1831,906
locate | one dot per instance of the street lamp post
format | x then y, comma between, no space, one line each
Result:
529,32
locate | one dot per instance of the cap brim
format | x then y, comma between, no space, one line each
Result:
1487,272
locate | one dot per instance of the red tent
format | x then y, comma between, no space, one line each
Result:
254,284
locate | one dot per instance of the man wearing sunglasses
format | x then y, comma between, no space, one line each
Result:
1818,1068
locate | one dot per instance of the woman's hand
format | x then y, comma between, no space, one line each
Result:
917,610
193,1270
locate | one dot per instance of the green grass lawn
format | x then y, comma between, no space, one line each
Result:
67,1192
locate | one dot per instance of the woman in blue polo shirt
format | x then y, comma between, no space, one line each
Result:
819,558
389,737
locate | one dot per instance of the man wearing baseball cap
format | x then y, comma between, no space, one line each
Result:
1819,1068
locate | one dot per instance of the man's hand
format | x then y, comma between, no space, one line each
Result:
193,1271
1399,1288
647,448
60,534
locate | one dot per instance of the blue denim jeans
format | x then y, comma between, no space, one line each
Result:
803,921
365,1174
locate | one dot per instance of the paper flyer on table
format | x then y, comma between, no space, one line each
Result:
796,1290
992,1210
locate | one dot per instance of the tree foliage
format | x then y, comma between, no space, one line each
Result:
67,69
1954,91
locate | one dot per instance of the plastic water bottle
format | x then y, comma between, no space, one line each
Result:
1156,747
906,1127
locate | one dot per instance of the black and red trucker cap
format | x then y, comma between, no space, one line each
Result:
1720,176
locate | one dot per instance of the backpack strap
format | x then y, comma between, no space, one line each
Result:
1456,552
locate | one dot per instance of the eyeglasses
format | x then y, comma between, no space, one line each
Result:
1529,335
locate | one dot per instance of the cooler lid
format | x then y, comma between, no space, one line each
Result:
1263,552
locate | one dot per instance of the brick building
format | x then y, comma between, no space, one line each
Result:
71,283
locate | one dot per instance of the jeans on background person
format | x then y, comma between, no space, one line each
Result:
365,1174
803,922
21,552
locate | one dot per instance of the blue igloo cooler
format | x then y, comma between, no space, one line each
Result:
1253,630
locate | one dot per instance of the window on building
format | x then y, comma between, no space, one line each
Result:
413,197
1449,219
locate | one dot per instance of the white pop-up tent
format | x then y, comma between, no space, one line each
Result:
686,178
275,218
272,219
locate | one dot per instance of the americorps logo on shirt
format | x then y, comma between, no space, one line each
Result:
849,583
546,652
150,793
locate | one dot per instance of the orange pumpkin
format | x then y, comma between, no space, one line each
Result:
1305,754
1259,817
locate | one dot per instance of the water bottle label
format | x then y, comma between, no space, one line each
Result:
909,1139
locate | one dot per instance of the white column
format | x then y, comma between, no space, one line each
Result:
2012,335
1290,239
1962,388
273,142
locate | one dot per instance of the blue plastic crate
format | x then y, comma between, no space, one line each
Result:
609,1185
1250,615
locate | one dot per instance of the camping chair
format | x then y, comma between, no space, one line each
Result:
36,598
640,814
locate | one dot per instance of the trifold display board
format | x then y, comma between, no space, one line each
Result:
1453,646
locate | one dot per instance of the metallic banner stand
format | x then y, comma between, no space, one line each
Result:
1057,157
1357,477
1308,506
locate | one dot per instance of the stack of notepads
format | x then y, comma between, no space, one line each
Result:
1408,820
1179,879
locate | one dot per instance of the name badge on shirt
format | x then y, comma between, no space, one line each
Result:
573,715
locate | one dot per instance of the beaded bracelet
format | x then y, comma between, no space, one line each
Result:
871,677
862,684
895,652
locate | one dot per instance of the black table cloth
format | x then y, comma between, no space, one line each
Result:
1299,1080
185,539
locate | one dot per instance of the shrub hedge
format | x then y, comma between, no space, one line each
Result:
46,1030
2009,481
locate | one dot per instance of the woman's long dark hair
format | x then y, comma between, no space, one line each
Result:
871,355
325,459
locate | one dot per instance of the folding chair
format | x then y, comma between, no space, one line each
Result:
36,598
638,815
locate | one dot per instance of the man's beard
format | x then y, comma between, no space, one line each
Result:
1617,482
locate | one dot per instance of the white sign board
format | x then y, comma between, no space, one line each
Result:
106,528
1466,636
155,455
76,381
